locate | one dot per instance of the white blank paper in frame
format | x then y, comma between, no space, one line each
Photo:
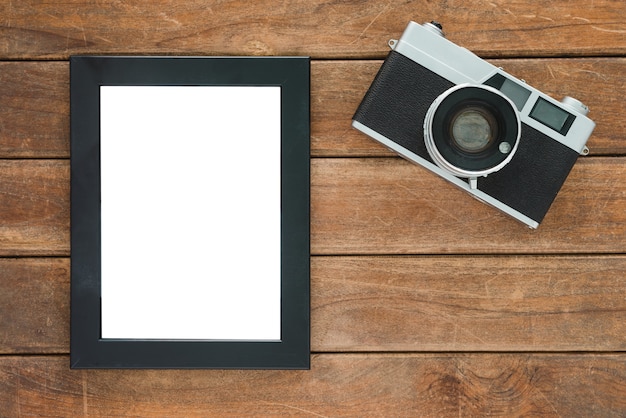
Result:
190,209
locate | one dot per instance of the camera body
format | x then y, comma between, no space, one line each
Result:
442,107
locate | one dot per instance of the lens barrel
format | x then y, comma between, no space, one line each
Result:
472,130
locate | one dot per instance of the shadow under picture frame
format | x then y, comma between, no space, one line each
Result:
190,207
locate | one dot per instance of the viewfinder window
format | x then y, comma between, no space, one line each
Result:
552,116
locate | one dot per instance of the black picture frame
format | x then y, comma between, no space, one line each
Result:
87,347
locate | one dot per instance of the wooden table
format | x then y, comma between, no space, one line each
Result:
425,302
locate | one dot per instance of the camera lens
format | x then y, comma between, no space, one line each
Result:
471,130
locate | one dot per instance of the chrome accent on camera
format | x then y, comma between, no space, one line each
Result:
575,105
434,27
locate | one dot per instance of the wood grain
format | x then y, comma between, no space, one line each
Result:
323,28
390,206
390,304
468,303
34,110
429,385
34,207
34,305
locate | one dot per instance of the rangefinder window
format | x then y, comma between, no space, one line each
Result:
518,94
552,116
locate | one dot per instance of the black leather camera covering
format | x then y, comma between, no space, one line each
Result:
397,101
395,106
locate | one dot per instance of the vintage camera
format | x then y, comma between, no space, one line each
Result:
442,107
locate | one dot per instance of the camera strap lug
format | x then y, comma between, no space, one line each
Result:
392,43
585,151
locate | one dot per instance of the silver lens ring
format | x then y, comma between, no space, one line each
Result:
490,115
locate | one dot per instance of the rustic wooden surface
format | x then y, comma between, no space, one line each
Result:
425,302
398,385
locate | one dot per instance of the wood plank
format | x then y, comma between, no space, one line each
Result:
338,87
34,305
390,206
34,110
364,206
34,103
468,303
389,304
337,385
34,207
323,28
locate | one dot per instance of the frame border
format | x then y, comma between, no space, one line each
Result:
87,348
